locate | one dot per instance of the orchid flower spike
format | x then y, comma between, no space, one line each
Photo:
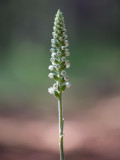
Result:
59,54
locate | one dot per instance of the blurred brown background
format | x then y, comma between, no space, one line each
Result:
28,114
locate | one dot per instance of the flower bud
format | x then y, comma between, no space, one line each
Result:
50,68
63,47
58,26
65,36
66,78
65,30
53,54
51,75
57,66
59,31
63,73
52,59
59,53
61,39
55,36
68,84
67,62
67,54
51,90
66,41
54,28
55,86
52,41
53,45
53,63
63,59
52,50
68,66
67,44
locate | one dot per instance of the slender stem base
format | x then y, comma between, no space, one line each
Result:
61,121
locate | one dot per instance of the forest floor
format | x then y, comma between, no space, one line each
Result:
89,134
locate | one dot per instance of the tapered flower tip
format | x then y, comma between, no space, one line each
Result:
58,11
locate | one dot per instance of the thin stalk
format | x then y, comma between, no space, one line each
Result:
60,113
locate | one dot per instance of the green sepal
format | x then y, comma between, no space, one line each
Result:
56,77
63,67
58,88
63,63
56,94
62,79
57,62
63,87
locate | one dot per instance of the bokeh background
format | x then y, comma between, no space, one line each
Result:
28,114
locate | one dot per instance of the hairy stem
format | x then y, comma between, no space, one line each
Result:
60,111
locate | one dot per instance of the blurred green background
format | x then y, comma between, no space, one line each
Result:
93,29
28,113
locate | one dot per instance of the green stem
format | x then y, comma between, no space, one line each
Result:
60,111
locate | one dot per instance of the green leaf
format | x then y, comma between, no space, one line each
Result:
56,78
63,87
56,94
62,79
57,62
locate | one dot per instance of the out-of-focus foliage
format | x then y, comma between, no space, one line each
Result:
25,33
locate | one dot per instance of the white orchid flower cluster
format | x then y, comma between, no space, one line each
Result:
59,52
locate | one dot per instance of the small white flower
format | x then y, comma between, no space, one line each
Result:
63,73
53,63
65,36
50,68
53,45
51,90
58,26
53,33
68,66
61,39
67,62
57,66
64,30
59,31
51,75
54,28
66,78
63,47
59,53
53,54
67,54
55,36
52,41
67,44
63,59
52,59
57,18
66,50
55,86
55,23
68,84
52,50
66,41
